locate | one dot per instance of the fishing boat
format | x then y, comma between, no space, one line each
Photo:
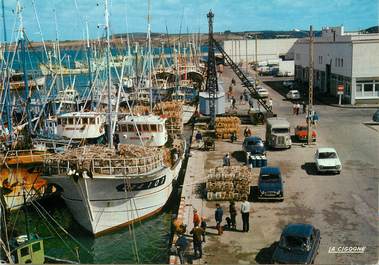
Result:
17,82
61,70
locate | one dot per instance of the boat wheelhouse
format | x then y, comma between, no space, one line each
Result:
81,125
147,130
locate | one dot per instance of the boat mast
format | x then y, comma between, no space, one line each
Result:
6,77
89,63
23,56
149,50
110,135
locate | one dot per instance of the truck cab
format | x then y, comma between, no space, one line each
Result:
278,133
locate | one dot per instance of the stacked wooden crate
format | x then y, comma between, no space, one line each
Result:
229,183
173,112
225,126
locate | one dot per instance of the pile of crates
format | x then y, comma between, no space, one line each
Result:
225,126
229,183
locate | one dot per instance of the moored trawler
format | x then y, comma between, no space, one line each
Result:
107,189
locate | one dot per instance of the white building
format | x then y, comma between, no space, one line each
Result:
266,49
348,59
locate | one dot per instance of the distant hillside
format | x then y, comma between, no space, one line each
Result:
374,29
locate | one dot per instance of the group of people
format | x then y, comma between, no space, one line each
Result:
200,225
296,108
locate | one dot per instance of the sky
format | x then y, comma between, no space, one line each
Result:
184,16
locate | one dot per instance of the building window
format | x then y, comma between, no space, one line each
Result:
341,62
320,59
335,62
368,90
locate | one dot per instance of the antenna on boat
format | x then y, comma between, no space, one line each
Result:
110,135
89,62
6,77
149,51
19,9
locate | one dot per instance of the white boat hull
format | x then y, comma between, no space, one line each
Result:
101,204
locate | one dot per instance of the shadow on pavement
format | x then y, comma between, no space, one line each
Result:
310,168
264,256
239,156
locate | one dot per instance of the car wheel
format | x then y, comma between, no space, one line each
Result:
338,172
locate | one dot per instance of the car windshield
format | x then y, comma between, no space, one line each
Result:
255,142
327,155
270,178
280,130
294,242
302,128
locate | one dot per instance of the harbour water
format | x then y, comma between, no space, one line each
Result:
143,242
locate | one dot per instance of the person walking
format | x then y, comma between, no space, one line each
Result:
233,137
294,108
196,218
203,225
233,214
304,107
181,246
250,162
226,161
297,108
234,103
241,99
218,217
197,233
245,211
269,103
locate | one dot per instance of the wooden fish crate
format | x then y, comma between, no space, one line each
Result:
229,183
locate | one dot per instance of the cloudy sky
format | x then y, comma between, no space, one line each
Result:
235,15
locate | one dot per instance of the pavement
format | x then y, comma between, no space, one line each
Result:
344,207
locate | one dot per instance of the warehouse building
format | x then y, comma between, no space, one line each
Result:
263,50
347,59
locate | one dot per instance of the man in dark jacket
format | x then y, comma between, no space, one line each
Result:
233,214
181,245
218,217
197,241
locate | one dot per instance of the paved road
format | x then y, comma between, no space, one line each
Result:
345,206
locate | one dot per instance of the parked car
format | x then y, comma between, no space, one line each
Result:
288,83
375,117
327,160
253,145
293,94
301,133
299,244
270,184
262,92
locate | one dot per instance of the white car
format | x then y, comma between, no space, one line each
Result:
293,94
262,92
327,160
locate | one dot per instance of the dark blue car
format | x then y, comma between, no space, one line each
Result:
253,145
270,184
298,244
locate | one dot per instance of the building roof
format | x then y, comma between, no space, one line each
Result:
302,230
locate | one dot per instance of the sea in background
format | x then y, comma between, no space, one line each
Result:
144,242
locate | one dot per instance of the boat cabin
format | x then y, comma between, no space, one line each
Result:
81,125
147,129
28,250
